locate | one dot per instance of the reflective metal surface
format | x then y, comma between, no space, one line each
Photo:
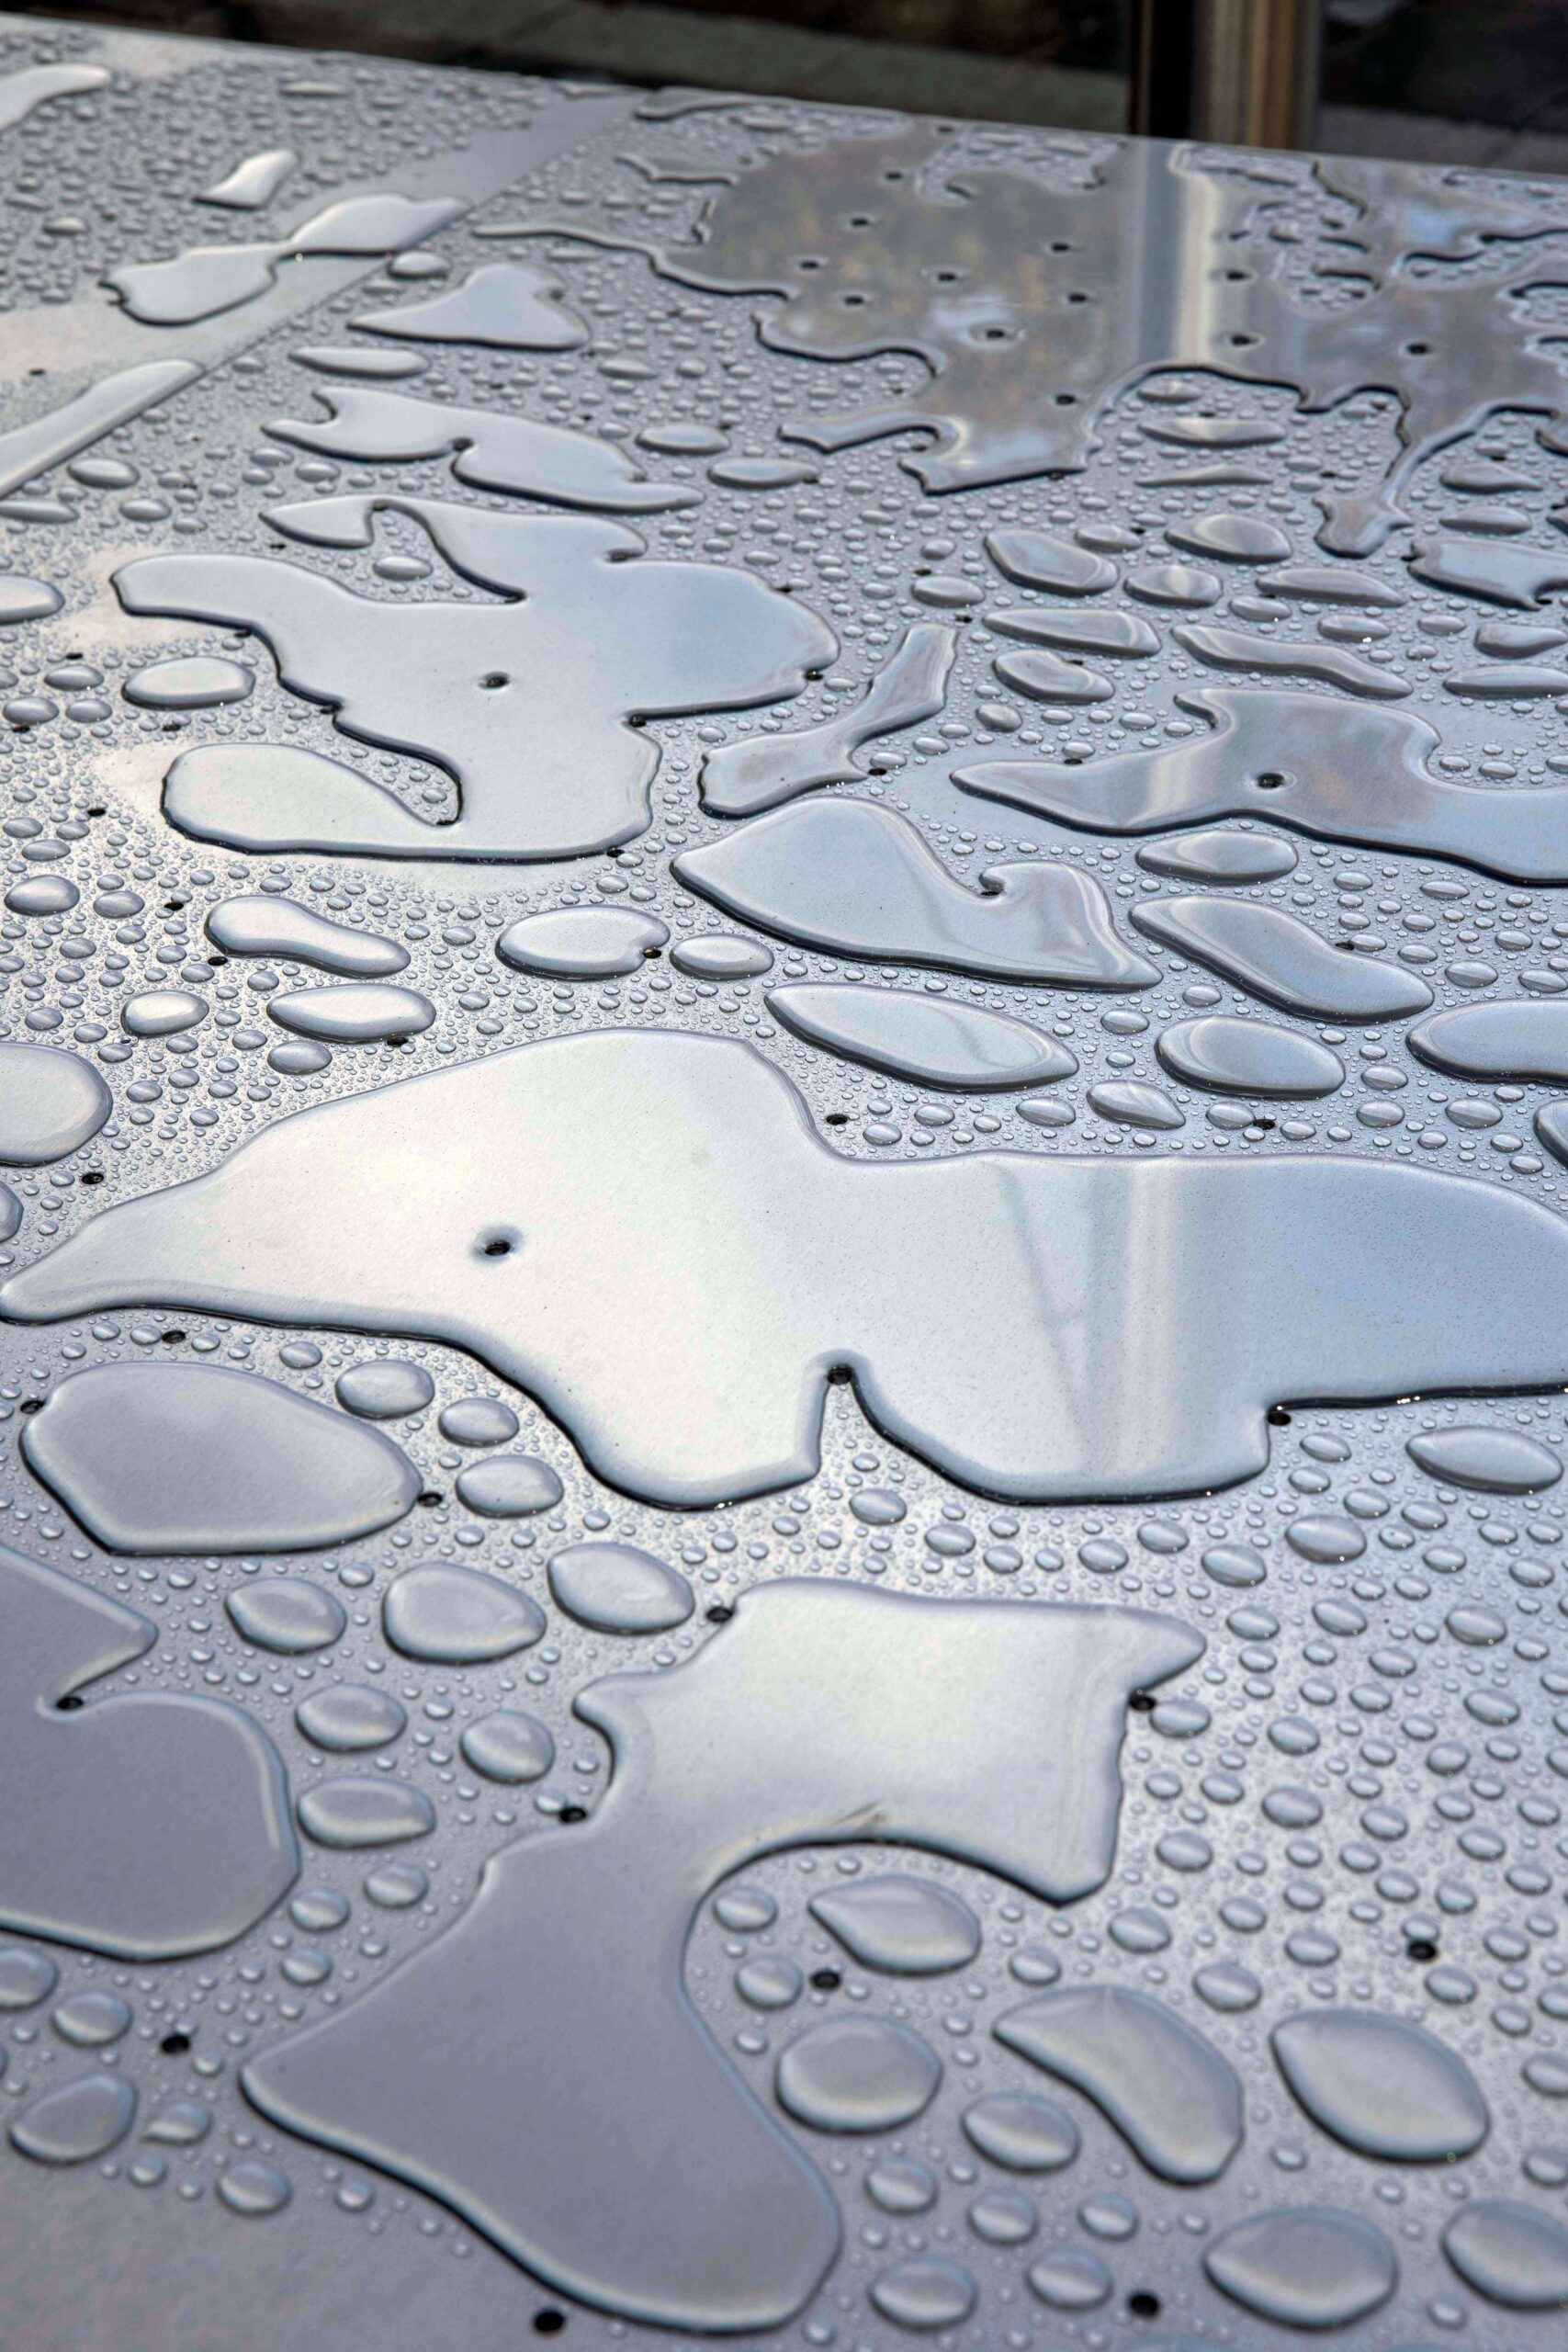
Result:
783,1115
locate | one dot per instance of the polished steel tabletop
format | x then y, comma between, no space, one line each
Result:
784,1295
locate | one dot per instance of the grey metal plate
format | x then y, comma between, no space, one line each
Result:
784,1080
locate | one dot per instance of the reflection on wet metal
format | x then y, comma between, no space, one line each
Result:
630,1047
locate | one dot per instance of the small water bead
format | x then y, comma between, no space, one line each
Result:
1070,2278
1235,1564
42,894
478,1420
902,2184
254,2189
1514,2254
76,2122
1227,1987
1139,1930
286,1614
197,683
318,1909
1309,2267
1022,2131
25,1977
878,1506
906,1926
383,1389
509,1746
1491,1460
396,1886
924,2292
1325,1539
162,1012
507,1485
365,1813
619,1589
721,955
453,1616
857,2075
745,1910
350,1717
184,2123
769,1981
92,2019
294,1058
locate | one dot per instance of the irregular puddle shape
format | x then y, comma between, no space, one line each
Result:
1514,2254
452,1616
200,684
1338,770
287,1615
1046,677
1032,558
207,279
1219,856
1234,648
857,2075
162,1012
921,1037
1491,1460
509,1486
348,1717
491,449
1550,1126
1132,1103
352,1012
1022,2131
1385,2087
719,955
908,1926
527,704
1500,573
1174,2099
52,1103
254,182
857,880
911,685
181,1457
1522,640
1277,956
99,1855
1249,1058
582,943
973,267
1200,432
508,304
266,925
820,1710
79,2120
1309,2267
1503,1038
24,599
681,1175
359,1811
617,1588
509,1747
383,1389
1118,634
34,86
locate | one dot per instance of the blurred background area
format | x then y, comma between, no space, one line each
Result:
1483,83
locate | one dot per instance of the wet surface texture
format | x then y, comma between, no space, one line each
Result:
784,1098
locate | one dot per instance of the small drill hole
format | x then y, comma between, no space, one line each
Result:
1421,1948
1141,1702
1143,2304
500,1249
429,1497
495,678
837,1119
91,1176
31,1405
1270,780
719,1614
175,2045
1278,1418
171,1339
69,1705
572,1813
548,2323
825,1980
